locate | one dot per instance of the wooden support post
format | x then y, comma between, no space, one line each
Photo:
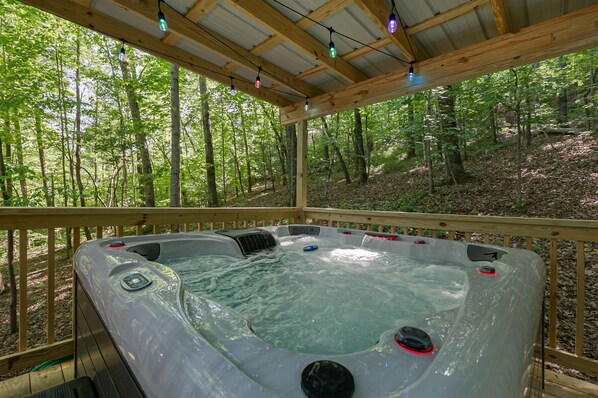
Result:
23,290
50,288
301,201
581,295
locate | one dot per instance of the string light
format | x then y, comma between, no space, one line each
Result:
161,18
232,87
331,46
392,18
258,81
306,105
122,57
411,73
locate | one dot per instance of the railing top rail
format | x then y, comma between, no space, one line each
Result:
48,217
568,229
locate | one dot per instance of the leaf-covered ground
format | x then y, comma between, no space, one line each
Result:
560,180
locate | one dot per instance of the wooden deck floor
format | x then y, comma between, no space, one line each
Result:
556,385
30,383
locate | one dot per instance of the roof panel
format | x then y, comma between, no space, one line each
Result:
226,21
206,55
128,18
303,6
289,58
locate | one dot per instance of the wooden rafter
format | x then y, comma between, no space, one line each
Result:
267,15
218,44
378,12
319,14
500,16
195,13
446,16
108,26
562,35
328,9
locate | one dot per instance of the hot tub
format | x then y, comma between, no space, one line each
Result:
466,329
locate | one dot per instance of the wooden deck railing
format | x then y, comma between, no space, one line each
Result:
547,236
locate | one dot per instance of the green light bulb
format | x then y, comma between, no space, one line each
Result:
162,22
332,49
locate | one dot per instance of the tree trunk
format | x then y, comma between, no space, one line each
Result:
246,147
18,139
5,187
362,170
291,144
236,160
410,131
455,171
78,137
42,158
175,138
337,151
493,126
147,180
563,118
209,147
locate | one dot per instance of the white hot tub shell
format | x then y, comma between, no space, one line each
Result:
177,344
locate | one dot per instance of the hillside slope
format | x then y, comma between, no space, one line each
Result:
560,180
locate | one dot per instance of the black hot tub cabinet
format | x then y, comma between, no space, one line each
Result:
140,334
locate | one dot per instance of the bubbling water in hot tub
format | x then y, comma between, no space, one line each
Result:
337,299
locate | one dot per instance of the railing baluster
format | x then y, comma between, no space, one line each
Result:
76,238
467,236
451,235
553,287
528,243
581,295
50,288
155,229
405,230
380,228
23,290
486,238
120,231
139,230
507,241
434,233
99,232
393,229
420,232
186,227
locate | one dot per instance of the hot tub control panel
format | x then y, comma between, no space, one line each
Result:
135,281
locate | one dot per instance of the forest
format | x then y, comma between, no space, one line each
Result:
88,121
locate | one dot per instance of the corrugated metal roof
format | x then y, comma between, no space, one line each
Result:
305,69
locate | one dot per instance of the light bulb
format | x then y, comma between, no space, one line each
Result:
392,23
411,73
162,21
121,55
232,89
332,49
306,105
258,82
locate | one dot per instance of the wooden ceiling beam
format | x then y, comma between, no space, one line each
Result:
562,35
274,20
381,43
378,12
218,44
500,16
195,13
118,30
328,9
446,16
